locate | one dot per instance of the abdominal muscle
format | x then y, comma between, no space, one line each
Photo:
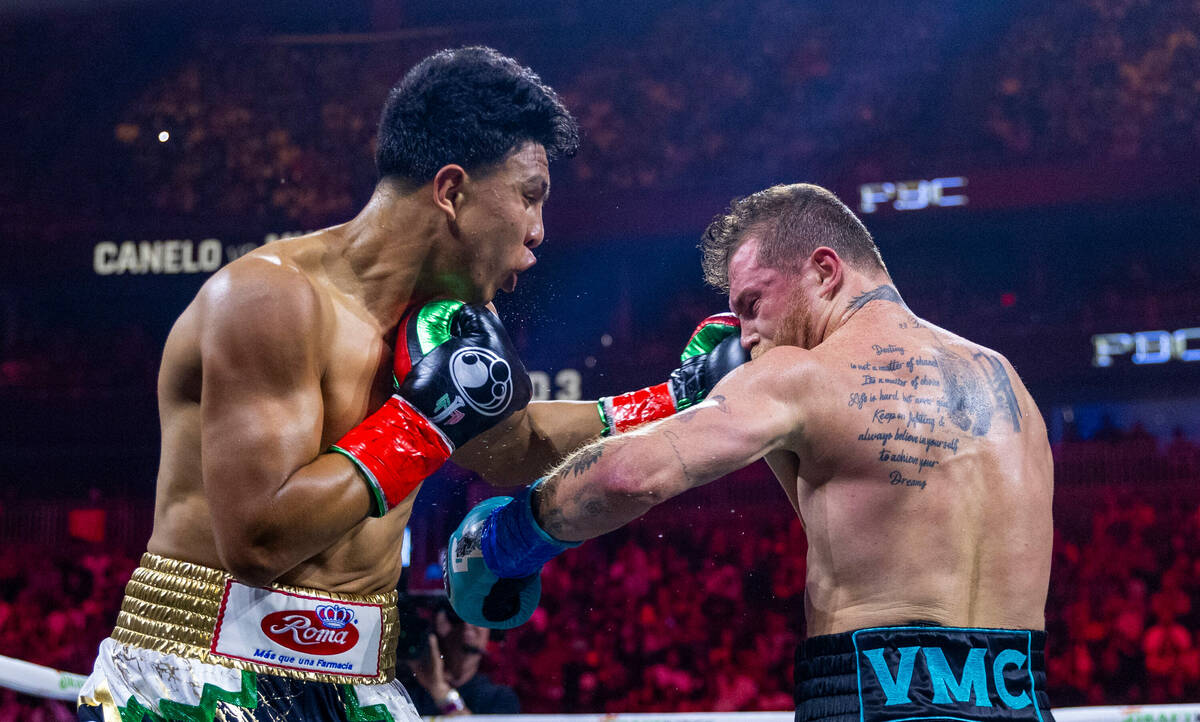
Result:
366,560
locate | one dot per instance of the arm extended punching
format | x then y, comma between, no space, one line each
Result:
530,441
494,556
605,485
537,438
520,449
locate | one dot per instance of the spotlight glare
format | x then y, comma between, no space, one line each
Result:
164,136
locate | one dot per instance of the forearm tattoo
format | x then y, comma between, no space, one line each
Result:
557,513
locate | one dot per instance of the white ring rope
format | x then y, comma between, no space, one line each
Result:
40,681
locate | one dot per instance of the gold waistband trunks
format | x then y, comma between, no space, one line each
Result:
191,638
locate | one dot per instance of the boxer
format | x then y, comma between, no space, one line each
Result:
310,388
915,458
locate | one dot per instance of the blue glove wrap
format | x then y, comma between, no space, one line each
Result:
514,545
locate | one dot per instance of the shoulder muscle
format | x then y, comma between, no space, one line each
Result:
261,321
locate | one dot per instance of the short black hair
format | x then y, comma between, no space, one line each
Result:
469,106
794,220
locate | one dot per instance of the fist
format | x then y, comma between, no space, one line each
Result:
456,365
476,593
714,350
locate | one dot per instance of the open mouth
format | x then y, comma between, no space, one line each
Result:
510,284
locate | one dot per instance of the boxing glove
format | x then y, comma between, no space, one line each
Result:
456,375
713,351
493,562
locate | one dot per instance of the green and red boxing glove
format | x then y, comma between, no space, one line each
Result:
457,375
713,351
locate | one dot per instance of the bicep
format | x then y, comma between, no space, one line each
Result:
253,438
261,404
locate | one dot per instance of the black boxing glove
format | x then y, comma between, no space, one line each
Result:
713,351
456,375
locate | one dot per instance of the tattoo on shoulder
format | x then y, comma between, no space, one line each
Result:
975,389
880,293
919,410
1001,386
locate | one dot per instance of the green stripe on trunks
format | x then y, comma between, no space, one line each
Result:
210,697
433,323
355,713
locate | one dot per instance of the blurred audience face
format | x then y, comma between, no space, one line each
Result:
460,638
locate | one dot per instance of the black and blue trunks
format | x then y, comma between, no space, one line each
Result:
922,672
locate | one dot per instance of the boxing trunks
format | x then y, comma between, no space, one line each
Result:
191,643
896,674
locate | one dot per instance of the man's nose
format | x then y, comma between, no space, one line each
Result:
750,336
536,234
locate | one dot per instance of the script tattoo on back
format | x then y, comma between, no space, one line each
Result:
919,407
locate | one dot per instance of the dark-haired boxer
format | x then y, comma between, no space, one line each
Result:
916,459
312,385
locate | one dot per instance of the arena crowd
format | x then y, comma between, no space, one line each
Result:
697,607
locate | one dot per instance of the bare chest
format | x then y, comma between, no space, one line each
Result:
357,378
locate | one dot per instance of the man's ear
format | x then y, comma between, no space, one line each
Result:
448,189
829,268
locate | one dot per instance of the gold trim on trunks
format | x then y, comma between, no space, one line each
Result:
171,606
102,698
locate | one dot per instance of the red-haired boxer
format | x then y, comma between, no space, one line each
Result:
916,459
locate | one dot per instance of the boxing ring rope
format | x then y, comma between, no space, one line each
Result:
39,681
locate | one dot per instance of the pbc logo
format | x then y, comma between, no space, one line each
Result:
912,195
328,630
1147,347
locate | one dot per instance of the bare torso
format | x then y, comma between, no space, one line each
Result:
355,362
923,477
